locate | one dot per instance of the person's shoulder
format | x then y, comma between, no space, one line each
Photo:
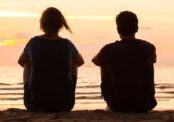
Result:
66,40
30,43
34,39
146,43
106,46
115,44
110,46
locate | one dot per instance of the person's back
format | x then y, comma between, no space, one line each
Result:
50,65
131,84
127,70
50,75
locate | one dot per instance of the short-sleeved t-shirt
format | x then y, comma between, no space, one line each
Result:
118,47
50,75
38,44
131,73
28,48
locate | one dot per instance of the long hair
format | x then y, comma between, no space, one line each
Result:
52,20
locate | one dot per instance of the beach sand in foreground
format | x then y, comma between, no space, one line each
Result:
19,115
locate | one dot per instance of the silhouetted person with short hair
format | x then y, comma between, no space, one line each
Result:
127,70
50,66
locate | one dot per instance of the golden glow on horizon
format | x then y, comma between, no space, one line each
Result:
28,14
8,42
77,17
91,17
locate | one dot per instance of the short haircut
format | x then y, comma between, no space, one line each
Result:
52,20
127,23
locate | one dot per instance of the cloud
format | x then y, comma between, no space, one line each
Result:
91,17
23,35
18,14
15,39
35,15
8,42
146,28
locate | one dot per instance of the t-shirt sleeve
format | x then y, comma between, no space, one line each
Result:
73,49
153,52
27,49
103,56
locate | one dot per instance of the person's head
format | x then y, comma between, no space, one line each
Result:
52,21
127,23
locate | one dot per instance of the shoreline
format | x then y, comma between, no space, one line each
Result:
93,112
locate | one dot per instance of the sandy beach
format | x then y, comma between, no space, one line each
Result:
20,115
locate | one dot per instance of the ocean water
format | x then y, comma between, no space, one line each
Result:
88,92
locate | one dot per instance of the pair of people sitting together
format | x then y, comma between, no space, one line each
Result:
51,63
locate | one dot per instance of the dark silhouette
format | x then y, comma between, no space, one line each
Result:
127,70
50,66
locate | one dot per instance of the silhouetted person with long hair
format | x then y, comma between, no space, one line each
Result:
50,66
127,70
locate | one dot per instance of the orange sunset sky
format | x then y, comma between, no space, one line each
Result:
92,23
